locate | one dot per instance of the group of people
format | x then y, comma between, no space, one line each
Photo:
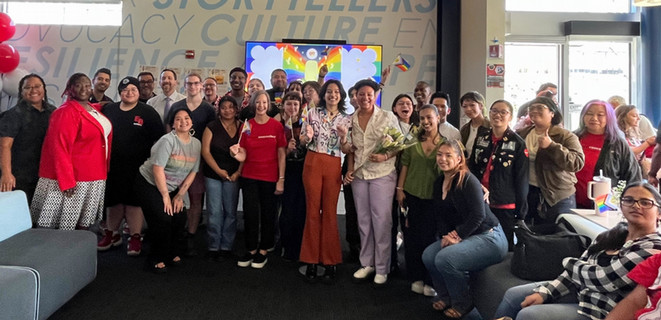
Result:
456,194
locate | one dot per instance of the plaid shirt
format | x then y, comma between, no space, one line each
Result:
600,288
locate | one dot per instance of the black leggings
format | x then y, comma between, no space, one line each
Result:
259,213
164,230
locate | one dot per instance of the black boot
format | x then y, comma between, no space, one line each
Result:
190,245
311,273
329,274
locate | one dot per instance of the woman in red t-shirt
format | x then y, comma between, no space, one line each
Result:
261,148
604,148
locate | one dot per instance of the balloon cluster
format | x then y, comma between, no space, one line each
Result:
9,57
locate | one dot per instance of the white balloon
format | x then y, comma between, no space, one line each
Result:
10,81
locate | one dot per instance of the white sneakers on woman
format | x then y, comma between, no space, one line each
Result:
363,273
420,287
380,278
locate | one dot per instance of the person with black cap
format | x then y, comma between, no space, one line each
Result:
555,155
137,127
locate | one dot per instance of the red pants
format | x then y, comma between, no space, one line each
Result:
322,179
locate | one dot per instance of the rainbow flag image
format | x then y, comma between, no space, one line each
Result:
401,63
278,98
603,203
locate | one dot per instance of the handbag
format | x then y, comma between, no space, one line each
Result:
538,255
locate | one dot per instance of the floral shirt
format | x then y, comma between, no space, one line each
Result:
325,138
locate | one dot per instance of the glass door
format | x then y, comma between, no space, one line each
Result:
597,70
528,65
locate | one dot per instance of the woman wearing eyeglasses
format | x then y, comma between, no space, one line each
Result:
500,161
22,132
605,150
591,285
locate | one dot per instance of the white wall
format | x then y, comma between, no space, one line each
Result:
157,32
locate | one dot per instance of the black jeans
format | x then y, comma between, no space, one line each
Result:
292,215
164,230
507,221
418,235
351,217
259,213
541,213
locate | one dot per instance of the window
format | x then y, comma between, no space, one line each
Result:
597,70
528,66
89,13
595,6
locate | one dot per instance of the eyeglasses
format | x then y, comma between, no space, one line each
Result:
211,85
36,87
196,83
146,81
502,113
125,90
643,203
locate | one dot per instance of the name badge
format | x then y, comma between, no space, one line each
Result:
509,145
481,142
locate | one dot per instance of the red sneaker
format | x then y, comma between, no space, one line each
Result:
135,245
110,239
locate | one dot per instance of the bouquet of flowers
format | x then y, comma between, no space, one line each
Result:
394,141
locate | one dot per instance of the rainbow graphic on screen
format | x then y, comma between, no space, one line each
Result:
347,63
603,203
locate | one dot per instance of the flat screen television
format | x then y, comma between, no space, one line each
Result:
346,62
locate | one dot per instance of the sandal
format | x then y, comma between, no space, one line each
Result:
176,261
457,312
439,305
160,267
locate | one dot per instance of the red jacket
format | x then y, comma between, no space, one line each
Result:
74,148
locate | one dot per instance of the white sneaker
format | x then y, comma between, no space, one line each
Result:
380,278
417,287
428,291
363,273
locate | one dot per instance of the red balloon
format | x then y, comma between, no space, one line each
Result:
9,58
7,27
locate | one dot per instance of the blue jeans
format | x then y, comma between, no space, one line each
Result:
448,266
222,200
566,308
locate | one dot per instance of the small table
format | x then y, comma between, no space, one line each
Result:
609,220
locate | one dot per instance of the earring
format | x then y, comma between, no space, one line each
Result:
191,132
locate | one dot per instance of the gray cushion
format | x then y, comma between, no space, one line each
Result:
18,296
489,285
65,262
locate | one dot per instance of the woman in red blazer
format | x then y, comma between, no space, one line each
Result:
74,162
